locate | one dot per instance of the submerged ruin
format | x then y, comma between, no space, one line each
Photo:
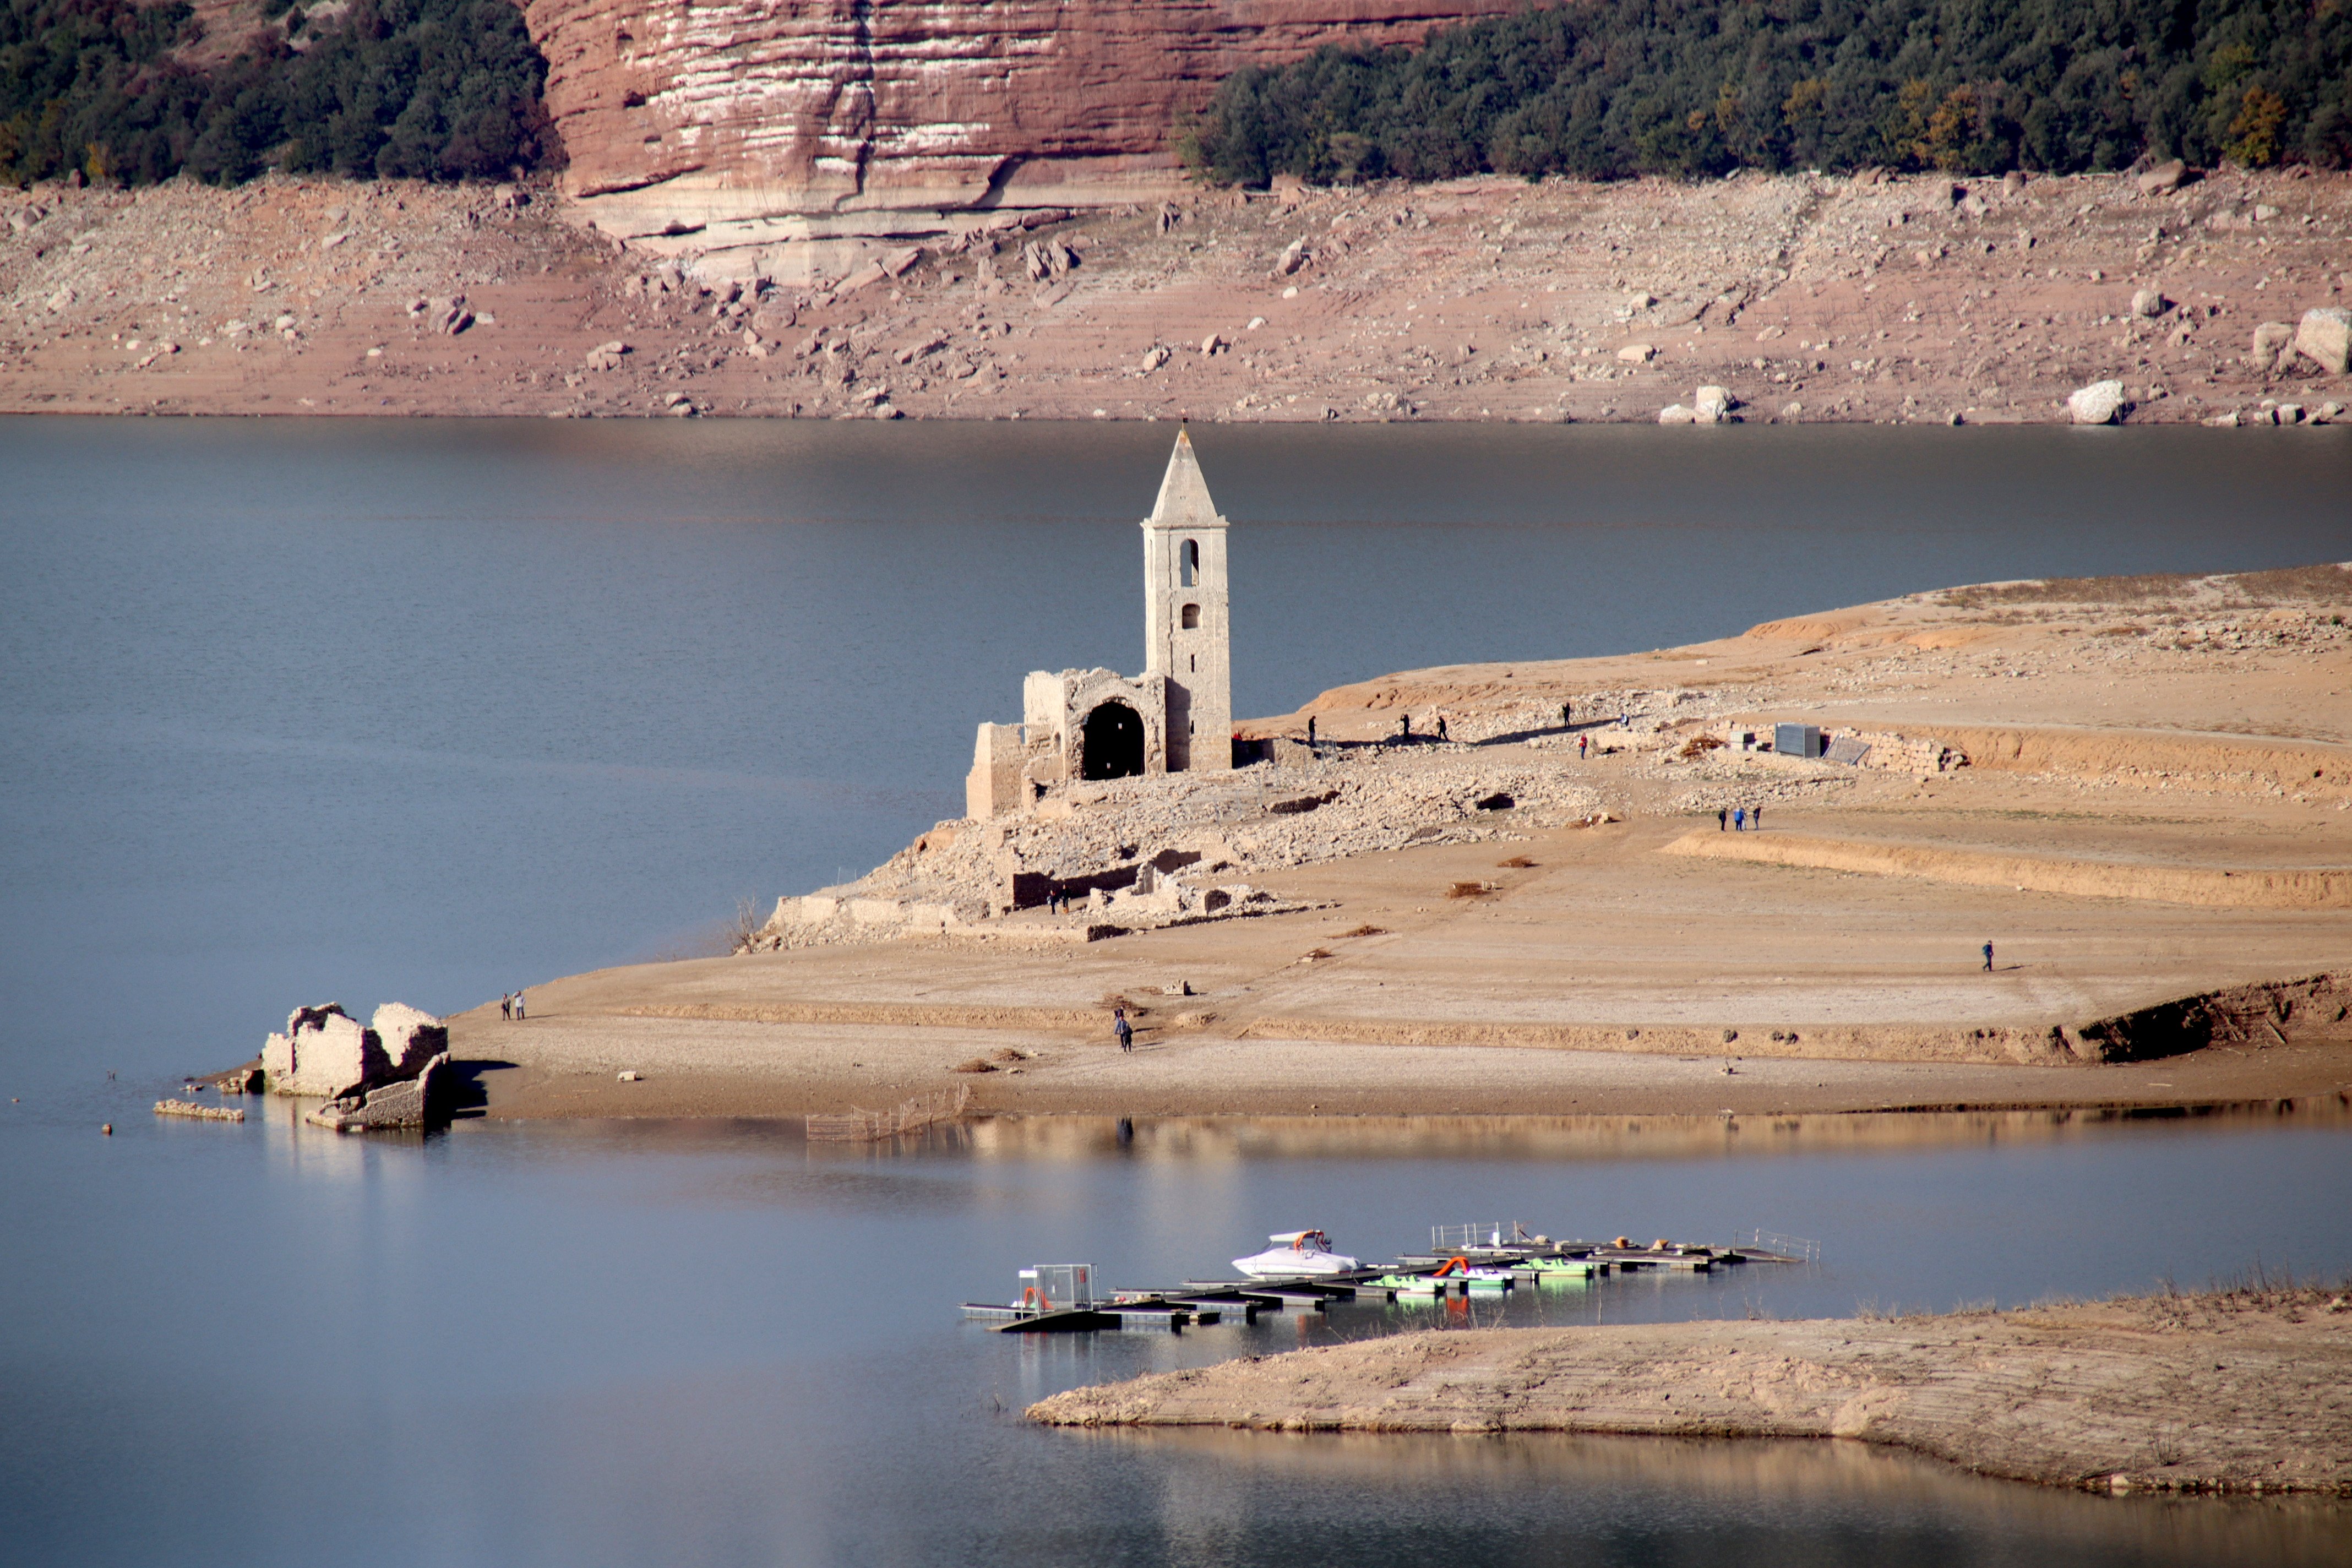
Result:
1176,717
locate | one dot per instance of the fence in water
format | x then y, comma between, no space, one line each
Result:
871,1126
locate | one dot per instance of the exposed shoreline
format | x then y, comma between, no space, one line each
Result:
1866,298
2140,791
2244,1390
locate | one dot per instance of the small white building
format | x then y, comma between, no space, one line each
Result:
1176,717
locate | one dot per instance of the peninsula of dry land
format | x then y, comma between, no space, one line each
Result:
1869,297
2139,790
2244,1390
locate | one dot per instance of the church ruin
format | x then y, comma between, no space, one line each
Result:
1176,717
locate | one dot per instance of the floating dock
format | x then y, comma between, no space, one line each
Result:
1059,1298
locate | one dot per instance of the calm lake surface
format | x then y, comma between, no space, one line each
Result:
427,711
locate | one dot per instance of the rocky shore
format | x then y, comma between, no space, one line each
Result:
2152,298
2244,1390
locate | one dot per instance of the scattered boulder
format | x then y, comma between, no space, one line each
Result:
2150,304
2101,403
1046,259
2325,337
2166,176
1211,344
1637,353
1294,256
1154,357
607,356
921,347
2272,341
1676,413
1712,405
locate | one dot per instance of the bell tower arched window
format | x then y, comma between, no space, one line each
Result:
1191,617
1188,563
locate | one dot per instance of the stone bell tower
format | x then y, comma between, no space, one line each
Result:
1186,633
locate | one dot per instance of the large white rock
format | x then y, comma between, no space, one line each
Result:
2101,403
2326,336
2272,341
1711,405
1676,413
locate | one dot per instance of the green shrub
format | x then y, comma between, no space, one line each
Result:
427,88
1702,87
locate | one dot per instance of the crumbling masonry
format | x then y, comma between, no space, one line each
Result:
1176,717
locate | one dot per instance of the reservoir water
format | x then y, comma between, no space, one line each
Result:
428,710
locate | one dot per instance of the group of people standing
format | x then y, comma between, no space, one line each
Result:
510,1007
1739,819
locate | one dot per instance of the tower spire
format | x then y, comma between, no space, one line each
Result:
1185,614
1183,493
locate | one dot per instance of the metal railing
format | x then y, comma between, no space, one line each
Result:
1786,1246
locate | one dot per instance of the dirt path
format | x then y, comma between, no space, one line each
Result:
2242,1392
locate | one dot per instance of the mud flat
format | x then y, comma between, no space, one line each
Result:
2245,1391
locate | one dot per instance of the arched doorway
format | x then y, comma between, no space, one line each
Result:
1114,742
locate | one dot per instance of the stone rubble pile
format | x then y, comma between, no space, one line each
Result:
1150,852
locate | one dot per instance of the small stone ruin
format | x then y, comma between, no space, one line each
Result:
394,1071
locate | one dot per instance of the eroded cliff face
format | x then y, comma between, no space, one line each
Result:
754,121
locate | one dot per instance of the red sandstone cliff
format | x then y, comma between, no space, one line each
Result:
739,112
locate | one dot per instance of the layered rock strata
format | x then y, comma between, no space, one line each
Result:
760,122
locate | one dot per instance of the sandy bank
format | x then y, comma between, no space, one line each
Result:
2205,886
2247,1391
2148,746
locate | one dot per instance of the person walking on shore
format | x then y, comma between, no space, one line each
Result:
1740,820
1988,952
1756,818
1122,1028
518,1006
1310,729
1404,726
1722,818
1568,716
1441,726
1582,743
506,1006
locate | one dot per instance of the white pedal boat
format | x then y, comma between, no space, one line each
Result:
1296,1252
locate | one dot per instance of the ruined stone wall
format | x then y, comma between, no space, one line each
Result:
994,783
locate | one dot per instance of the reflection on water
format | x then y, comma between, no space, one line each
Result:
1212,1138
1257,1497
710,1342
